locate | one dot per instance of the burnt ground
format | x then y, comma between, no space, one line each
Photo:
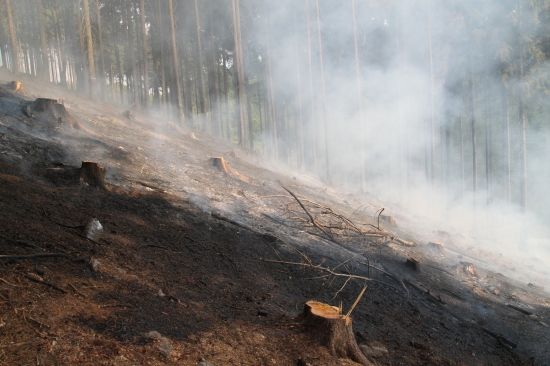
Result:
184,270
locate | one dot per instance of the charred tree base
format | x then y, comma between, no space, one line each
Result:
333,330
50,111
92,174
220,164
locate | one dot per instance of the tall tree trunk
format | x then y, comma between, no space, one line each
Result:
44,59
462,165
175,62
145,50
522,113
432,98
307,13
506,110
89,46
100,46
359,92
473,131
14,44
227,128
162,57
201,85
244,139
271,105
323,93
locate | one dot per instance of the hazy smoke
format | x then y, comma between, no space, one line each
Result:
410,128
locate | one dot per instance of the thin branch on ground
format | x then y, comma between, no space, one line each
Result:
356,301
32,256
340,274
311,218
379,212
341,288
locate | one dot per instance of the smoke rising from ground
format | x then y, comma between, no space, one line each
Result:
426,69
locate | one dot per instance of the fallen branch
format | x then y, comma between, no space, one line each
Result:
32,256
313,222
36,278
338,274
379,212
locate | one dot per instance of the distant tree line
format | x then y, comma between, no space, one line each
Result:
216,65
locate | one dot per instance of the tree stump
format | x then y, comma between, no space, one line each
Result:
49,111
220,164
16,85
333,330
92,174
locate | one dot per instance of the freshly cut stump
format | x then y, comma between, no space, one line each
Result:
92,174
333,330
16,85
220,164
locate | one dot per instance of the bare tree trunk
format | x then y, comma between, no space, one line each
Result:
202,95
359,91
473,130
432,99
506,108
89,46
162,57
244,138
522,115
272,108
323,93
44,59
14,44
523,159
462,165
100,45
145,49
307,12
175,62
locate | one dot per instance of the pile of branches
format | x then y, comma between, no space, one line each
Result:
322,221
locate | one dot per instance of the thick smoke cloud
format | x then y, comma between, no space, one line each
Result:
427,68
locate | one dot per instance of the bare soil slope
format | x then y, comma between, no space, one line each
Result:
185,271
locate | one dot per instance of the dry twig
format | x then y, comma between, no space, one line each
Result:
32,256
311,218
335,274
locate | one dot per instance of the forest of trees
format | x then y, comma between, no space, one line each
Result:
281,78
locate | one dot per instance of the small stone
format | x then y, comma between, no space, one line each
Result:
95,264
163,344
203,362
165,347
436,246
469,269
153,335
93,229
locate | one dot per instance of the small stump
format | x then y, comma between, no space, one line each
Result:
92,174
128,115
16,85
220,164
436,246
333,330
412,263
49,111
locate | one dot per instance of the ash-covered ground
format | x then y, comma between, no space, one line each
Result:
195,264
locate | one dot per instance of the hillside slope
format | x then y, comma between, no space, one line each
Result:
188,266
